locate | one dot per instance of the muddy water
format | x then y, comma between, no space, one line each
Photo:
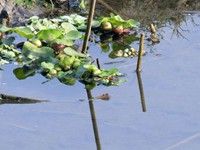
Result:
170,84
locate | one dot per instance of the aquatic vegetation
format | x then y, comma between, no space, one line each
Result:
50,49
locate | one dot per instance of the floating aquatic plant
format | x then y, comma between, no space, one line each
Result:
49,49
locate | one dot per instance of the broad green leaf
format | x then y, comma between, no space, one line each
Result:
80,71
49,35
68,27
111,71
96,24
105,47
77,19
132,23
25,32
33,52
47,66
64,78
65,42
67,62
23,73
71,52
5,29
73,35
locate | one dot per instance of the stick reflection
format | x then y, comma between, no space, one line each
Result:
93,117
141,91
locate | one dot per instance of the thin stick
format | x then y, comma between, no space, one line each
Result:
140,52
98,63
89,26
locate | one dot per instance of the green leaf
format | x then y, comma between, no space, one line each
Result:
67,62
64,41
33,52
71,52
47,66
80,71
73,35
132,23
5,29
49,35
111,71
64,78
96,24
77,19
105,48
24,31
23,73
68,27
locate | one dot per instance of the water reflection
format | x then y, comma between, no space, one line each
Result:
93,118
141,92
9,99
93,115
150,10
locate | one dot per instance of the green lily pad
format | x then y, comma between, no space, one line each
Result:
68,27
33,52
25,32
71,52
64,41
73,35
5,29
47,66
64,78
23,73
49,35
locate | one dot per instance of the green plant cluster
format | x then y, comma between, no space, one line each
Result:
49,49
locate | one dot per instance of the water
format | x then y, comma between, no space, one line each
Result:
170,79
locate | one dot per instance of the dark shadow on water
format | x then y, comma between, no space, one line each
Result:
10,99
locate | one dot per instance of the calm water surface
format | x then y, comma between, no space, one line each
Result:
170,79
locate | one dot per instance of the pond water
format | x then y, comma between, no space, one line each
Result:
165,119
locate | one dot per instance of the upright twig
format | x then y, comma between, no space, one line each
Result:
89,26
140,52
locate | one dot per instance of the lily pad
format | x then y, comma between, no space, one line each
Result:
73,35
25,32
68,27
49,35
71,52
24,72
47,66
33,52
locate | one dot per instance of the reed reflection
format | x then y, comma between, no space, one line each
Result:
141,92
93,118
